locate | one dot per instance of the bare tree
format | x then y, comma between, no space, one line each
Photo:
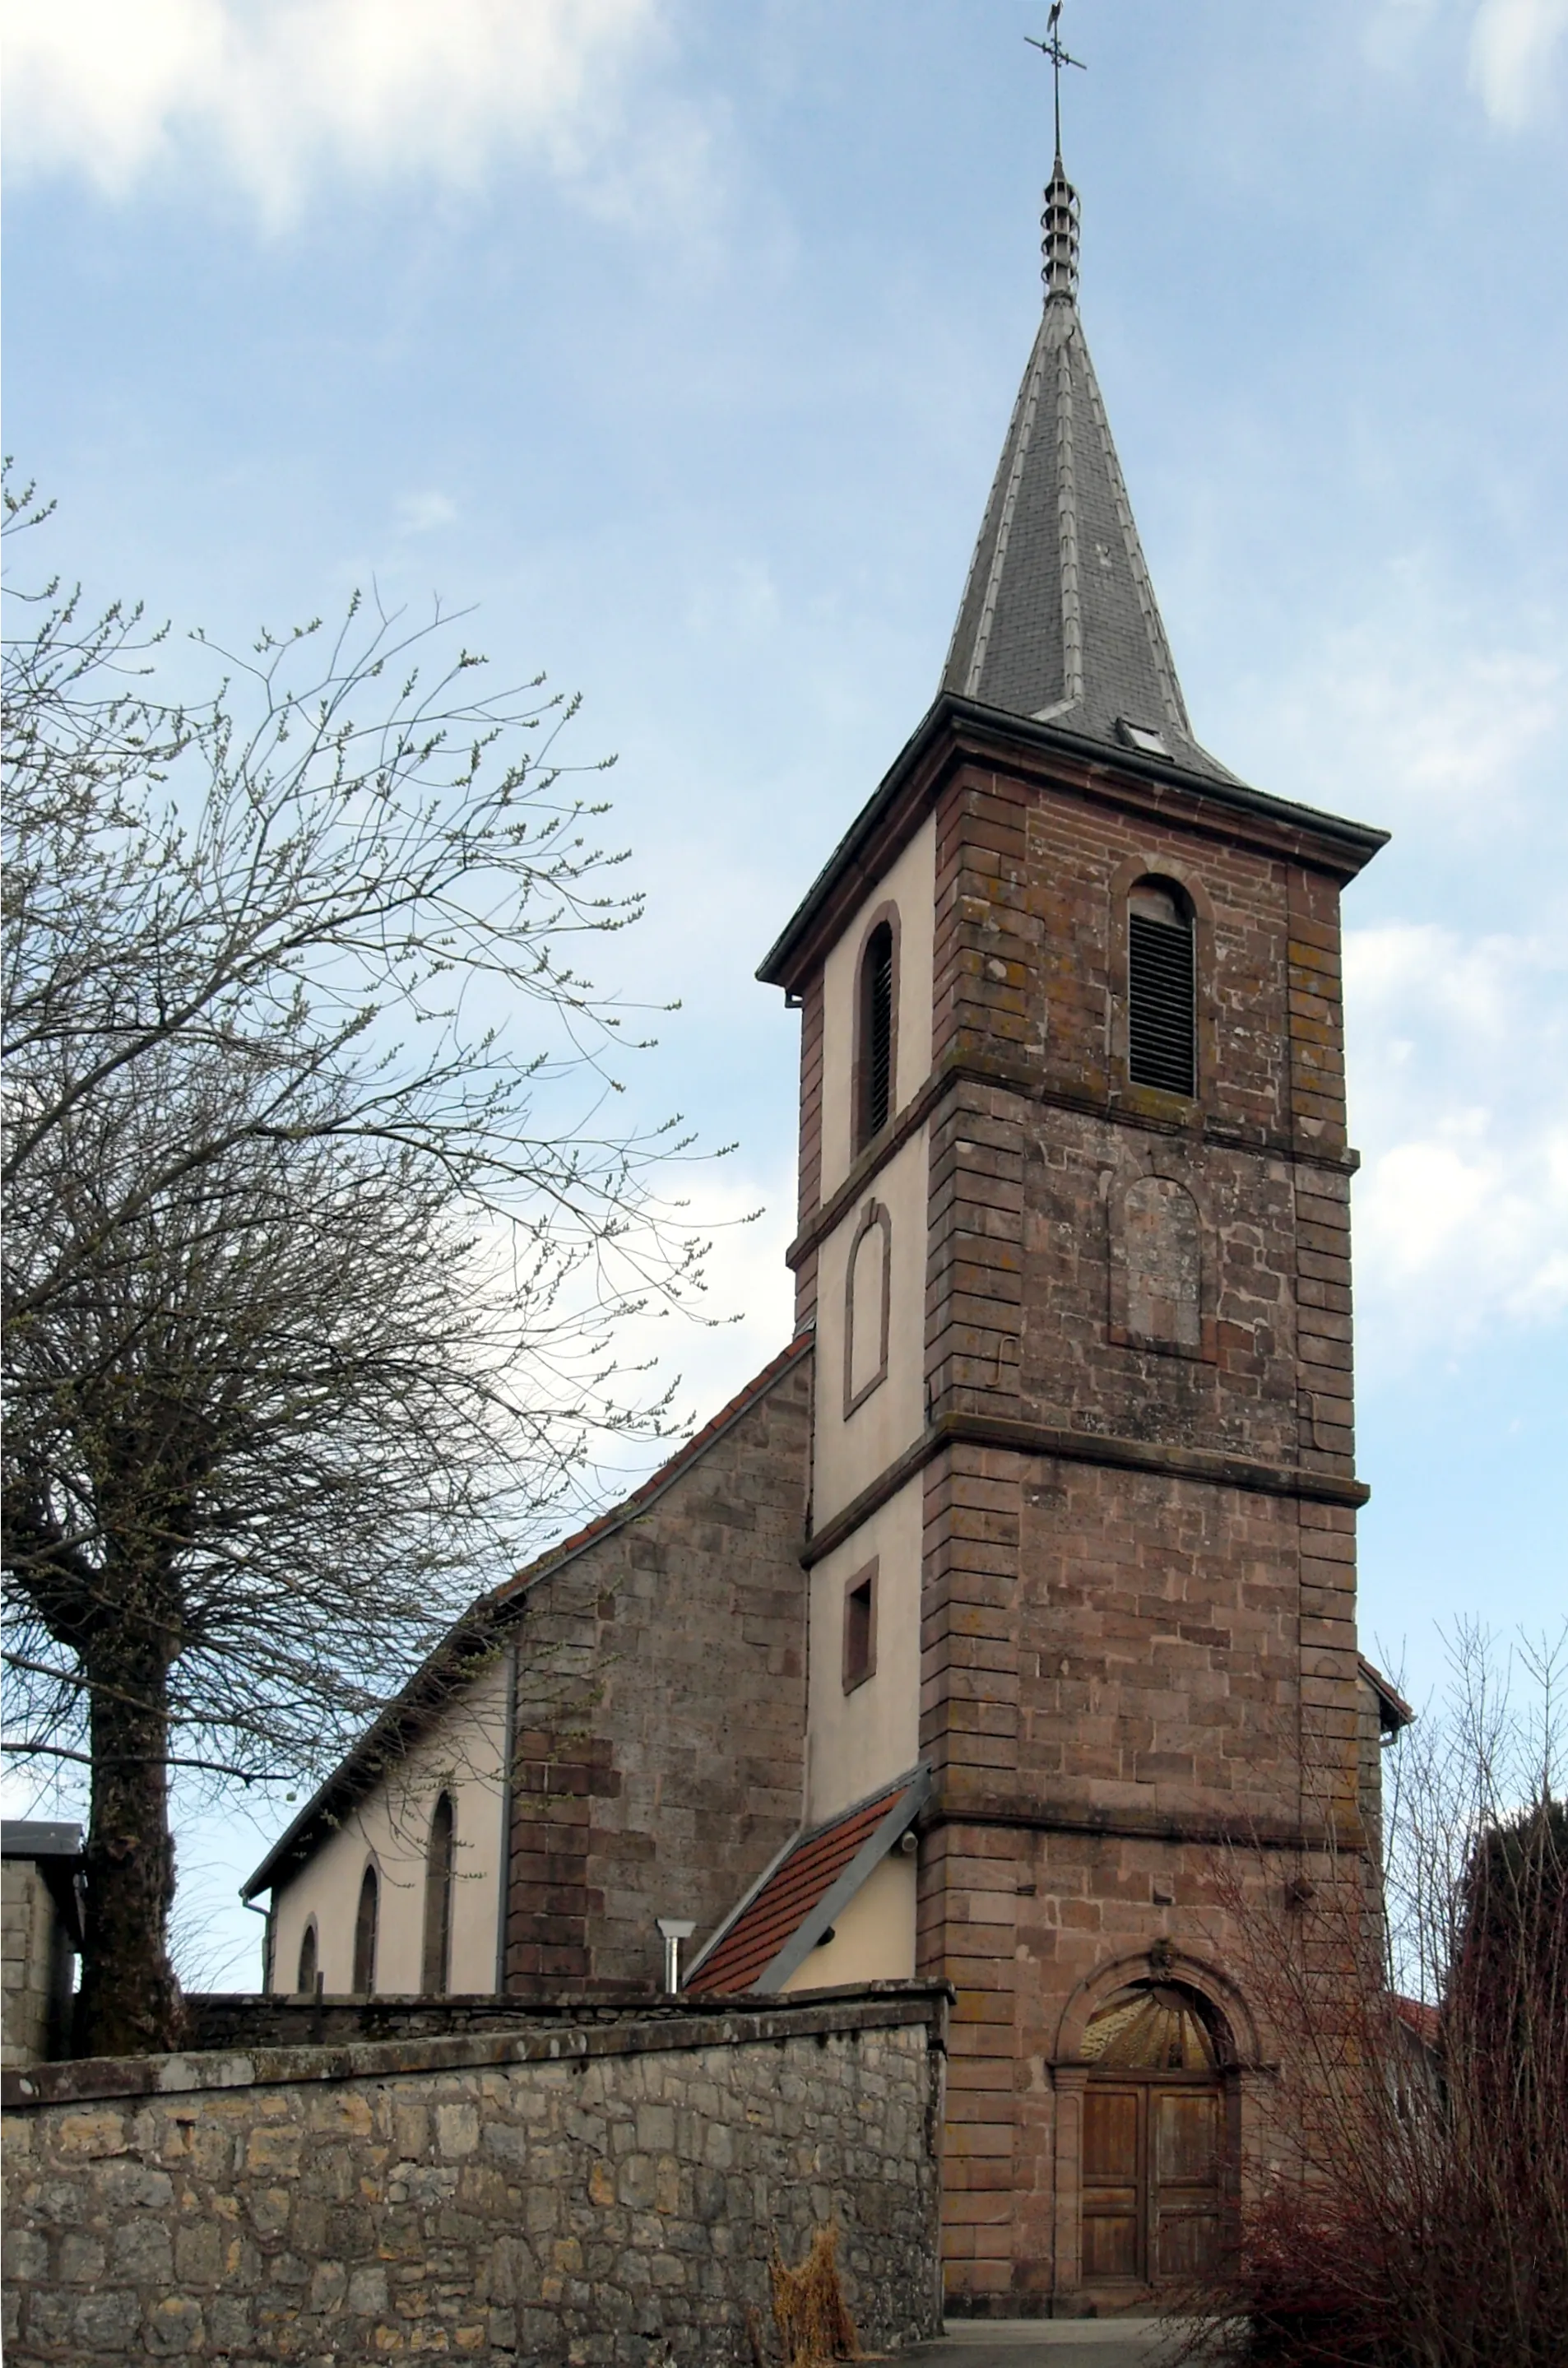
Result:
312,1272
1413,2206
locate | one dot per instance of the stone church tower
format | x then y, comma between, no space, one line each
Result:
1073,1235
1068,1416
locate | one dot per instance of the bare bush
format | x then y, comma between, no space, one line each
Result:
1411,2205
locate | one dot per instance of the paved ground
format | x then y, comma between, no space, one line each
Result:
1045,2343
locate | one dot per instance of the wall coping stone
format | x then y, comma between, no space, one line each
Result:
219,2022
822,2014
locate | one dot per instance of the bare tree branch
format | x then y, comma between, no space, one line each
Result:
321,1226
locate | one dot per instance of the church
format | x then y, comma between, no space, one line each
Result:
1022,1580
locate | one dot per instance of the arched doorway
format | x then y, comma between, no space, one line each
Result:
1155,2138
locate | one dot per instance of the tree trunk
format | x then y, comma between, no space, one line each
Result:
130,2000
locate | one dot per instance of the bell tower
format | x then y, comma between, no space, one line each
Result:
1074,1236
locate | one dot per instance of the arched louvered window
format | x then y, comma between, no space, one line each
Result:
1161,1029
875,1034
306,1985
436,1963
365,1934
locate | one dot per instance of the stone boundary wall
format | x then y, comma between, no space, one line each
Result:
605,2193
244,2020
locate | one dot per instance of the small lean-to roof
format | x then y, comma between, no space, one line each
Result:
783,1919
26,1838
1424,2020
469,1643
1394,1710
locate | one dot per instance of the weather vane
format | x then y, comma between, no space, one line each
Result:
1052,48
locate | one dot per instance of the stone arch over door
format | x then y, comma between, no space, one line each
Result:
1162,1962
1149,2075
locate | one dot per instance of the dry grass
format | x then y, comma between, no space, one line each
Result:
809,2309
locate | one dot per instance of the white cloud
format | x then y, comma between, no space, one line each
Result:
1512,54
1512,50
749,1302
1461,725
425,513
1438,713
276,93
1441,731
1422,716
1458,1053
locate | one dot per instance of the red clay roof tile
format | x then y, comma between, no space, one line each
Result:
788,1896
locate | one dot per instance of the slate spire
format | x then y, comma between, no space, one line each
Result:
1059,620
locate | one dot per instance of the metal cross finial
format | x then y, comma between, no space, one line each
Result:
1058,223
1052,48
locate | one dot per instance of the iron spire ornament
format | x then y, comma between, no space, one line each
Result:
1052,48
1059,222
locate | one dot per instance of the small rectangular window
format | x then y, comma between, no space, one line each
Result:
860,1628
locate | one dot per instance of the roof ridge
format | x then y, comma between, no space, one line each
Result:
566,1549
877,1793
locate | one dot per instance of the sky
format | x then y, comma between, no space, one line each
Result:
678,337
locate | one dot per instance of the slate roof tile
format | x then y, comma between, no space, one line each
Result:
1058,622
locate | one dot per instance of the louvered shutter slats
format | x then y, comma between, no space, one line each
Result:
1161,1035
878,1030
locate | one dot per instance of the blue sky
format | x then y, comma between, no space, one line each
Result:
680,337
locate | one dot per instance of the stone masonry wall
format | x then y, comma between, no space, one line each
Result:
27,1931
663,1768
1137,1607
595,2195
35,1965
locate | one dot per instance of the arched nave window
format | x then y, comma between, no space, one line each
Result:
306,1985
436,1970
365,1924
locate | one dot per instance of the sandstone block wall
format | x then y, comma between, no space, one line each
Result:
603,2196
661,1767
1138,1611
27,1922
35,1964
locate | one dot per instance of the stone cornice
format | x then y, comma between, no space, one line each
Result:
1042,1440
1075,1815
1010,1077
956,730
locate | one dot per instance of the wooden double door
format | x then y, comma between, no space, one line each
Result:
1153,2178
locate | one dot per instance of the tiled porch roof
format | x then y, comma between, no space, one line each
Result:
797,1887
